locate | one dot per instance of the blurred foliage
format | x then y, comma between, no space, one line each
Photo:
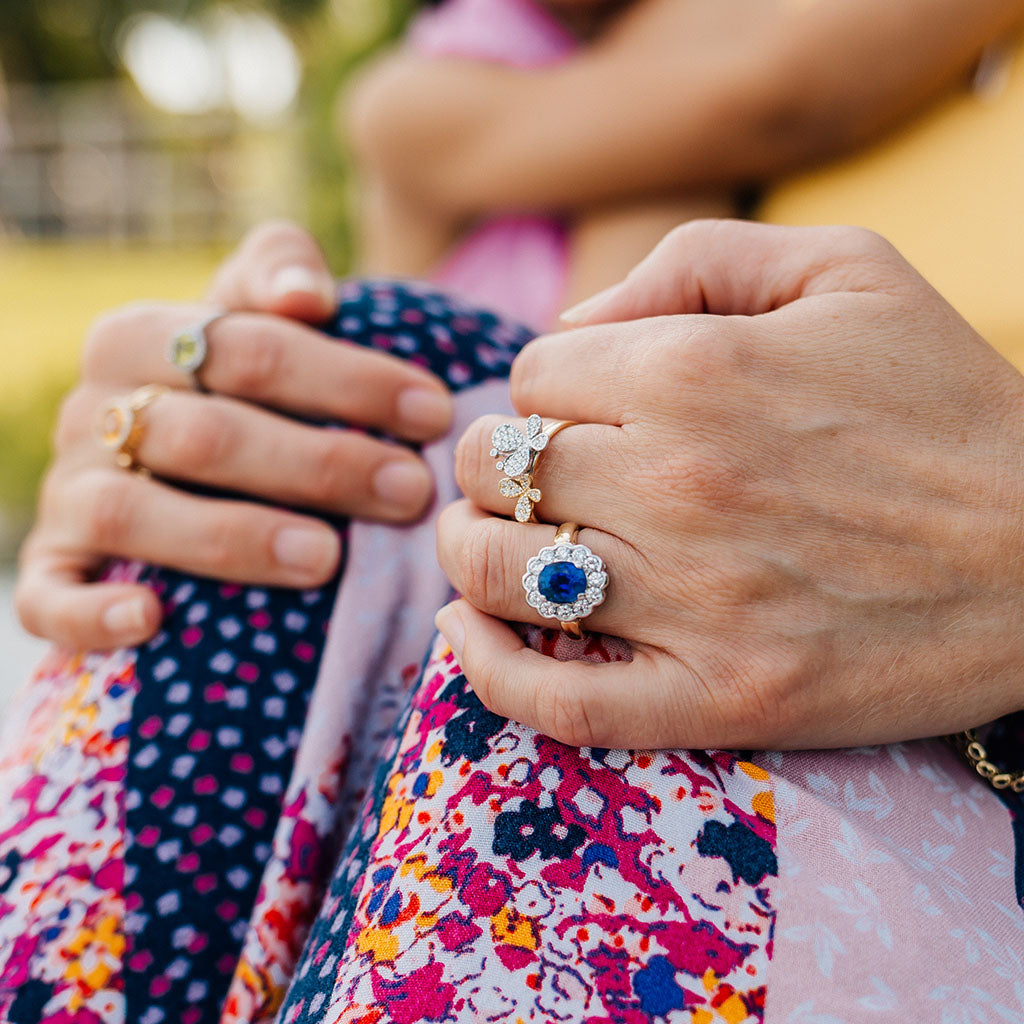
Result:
47,41
356,30
65,40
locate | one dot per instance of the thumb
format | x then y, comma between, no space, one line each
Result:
279,268
731,267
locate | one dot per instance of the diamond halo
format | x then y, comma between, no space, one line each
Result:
581,564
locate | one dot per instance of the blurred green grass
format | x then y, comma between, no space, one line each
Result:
50,294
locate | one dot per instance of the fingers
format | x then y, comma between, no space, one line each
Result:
623,704
731,267
122,514
485,559
577,474
279,268
54,600
244,449
273,362
614,373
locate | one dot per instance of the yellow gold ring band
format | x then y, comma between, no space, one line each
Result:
121,425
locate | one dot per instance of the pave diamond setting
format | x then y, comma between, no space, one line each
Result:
516,451
565,582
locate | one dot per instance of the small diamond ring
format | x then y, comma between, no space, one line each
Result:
190,347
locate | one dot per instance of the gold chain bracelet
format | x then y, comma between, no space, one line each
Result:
974,753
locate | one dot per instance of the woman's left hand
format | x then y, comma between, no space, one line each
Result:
804,474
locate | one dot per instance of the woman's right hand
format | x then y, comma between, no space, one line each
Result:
265,367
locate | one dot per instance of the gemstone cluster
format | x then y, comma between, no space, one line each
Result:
565,582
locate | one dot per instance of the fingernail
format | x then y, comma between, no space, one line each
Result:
404,484
307,550
297,278
452,628
582,311
126,616
424,410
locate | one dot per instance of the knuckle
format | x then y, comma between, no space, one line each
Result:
254,362
470,455
199,446
683,237
680,359
331,470
697,236
701,475
864,241
107,515
759,689
707,349
482,565
219,543
75,418
106,338
563,714
525,372
27,609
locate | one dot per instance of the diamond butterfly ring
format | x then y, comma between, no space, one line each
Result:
517,454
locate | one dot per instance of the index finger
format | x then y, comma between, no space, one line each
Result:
277,363
731,268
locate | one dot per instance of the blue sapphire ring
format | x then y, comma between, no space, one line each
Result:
566,580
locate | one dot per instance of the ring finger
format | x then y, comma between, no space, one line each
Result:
566,492
234,446
485,559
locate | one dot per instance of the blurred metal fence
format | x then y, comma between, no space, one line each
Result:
95,161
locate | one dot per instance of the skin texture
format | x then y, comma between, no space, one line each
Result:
803,472
264,368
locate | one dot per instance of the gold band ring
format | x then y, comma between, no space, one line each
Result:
517,454
121,425
566,580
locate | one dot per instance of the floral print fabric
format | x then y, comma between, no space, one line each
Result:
499,875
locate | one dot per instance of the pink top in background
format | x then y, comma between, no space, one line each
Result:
514,265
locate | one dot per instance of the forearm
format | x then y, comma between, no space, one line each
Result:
398,238
674,96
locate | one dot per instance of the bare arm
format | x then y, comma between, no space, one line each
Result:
606,243
675,95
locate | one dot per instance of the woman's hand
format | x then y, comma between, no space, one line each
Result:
264,368
804,473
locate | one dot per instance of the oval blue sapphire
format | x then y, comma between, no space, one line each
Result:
562,582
